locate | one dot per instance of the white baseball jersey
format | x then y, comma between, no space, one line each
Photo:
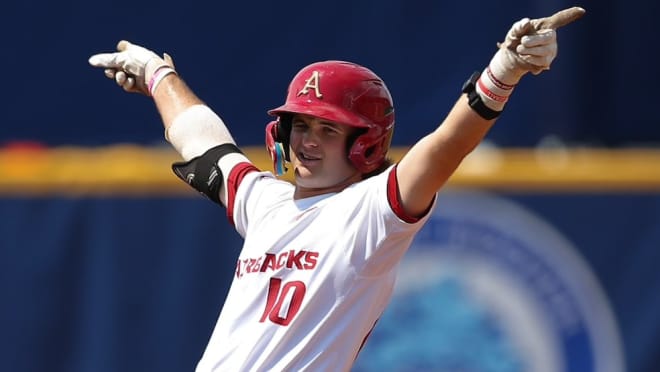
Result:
313,277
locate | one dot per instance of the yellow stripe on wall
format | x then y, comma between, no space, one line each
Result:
128,169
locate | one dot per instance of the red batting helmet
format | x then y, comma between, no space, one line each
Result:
345,93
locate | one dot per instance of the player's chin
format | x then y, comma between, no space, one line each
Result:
306,178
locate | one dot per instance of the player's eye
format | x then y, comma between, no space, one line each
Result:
330,130
299,125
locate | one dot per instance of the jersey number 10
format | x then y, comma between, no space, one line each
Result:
277,295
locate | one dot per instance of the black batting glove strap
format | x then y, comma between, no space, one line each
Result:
203,172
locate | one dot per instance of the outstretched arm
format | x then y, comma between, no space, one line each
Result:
529,46
190,126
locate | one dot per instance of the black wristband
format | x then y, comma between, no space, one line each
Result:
474,99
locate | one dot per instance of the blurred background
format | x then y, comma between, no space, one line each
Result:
546,241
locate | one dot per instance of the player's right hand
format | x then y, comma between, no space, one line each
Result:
134,68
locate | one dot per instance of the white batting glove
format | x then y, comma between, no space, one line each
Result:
134,68
524,50
529,46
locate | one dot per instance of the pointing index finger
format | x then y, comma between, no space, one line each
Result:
559,19
103,60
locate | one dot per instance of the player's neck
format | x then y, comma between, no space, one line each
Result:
303,192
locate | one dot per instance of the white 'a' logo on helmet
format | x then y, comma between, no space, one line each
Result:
312,83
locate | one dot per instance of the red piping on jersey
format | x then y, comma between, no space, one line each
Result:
364,340
395,201
236,175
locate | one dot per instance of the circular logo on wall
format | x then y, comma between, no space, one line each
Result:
489,286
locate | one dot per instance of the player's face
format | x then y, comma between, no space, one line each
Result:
318,154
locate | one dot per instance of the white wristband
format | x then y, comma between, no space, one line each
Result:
494,93
196,130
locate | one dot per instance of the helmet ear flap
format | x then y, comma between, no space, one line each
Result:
368,153
283,133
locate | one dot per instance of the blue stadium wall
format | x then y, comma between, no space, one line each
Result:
109,267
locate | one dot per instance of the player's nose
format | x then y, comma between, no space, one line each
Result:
311,138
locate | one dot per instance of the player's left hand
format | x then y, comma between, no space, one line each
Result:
133,67
530,46
529,51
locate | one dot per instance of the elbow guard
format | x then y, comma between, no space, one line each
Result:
203,172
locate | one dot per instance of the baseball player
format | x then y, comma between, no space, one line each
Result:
319,259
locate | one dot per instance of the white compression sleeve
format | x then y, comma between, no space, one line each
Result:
196,130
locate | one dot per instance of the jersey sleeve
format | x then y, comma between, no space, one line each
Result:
252,195
383,230
394,201
232,183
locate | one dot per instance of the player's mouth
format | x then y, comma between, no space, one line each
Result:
307,159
